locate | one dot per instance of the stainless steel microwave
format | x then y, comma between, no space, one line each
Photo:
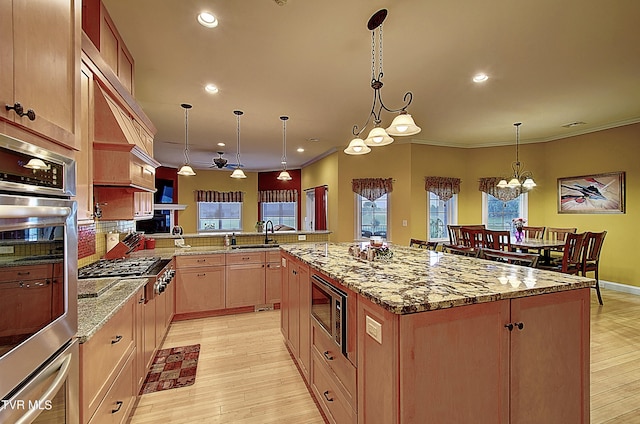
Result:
329,309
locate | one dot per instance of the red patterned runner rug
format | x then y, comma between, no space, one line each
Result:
172,368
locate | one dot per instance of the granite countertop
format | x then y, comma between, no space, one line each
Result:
95,311
417,280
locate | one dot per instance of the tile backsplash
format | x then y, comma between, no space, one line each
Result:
96,235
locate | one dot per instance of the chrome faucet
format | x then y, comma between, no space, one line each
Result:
266,231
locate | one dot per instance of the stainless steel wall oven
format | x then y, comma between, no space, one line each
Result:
38,285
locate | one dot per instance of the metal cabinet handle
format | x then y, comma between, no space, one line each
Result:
520,325
118,407
326,355
326,396
117,339
509,326
19,109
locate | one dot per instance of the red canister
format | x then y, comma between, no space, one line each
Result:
150,243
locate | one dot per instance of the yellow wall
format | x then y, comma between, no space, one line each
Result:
604,151
218,181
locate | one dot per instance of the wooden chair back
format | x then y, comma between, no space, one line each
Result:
559,234
455,236
472,237
572,254
497,239
515,258
422,244
533,232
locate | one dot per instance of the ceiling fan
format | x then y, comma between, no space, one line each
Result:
221,162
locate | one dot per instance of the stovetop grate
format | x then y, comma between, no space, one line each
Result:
125,267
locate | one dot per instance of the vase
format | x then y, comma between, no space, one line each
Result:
519,235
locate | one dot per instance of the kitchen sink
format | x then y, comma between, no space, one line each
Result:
254,246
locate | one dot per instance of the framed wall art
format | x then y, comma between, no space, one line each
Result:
600,193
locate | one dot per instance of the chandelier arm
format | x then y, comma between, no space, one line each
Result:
356,131
408,95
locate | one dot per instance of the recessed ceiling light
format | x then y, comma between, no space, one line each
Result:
207,19
300,150
211,88
221,144
480,77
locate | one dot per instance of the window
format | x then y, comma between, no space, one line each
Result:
219,216
372,217
440,214
498,215
281,213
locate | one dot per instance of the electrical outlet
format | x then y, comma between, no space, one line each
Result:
404,222
302,237
6,249
374,329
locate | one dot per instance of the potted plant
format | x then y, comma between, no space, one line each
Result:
259,226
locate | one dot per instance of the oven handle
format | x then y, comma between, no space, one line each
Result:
10,211
50,393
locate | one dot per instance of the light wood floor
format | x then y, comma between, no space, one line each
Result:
245,374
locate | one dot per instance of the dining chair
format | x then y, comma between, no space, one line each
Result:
455,237
515,258
472,237
497,239
592,247
533,232
571,255
558,234
422,244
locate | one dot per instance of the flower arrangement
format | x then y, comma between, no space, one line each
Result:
518,223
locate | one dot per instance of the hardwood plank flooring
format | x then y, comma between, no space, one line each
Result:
245,373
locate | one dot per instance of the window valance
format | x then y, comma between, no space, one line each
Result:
219,196
443,187
489,185
278,196
372,188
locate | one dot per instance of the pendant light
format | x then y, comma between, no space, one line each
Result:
186,168
520,178
403,124
237,173
284,175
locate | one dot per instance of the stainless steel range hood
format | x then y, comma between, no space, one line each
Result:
122,147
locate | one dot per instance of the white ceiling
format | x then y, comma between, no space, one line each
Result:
550,63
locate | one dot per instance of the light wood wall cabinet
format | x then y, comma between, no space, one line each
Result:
200,283
245,279
40,68
124,203
107,374
485,363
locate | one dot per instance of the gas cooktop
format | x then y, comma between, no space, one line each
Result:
125,267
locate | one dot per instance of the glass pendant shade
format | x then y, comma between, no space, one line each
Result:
529,183
503,184
186,170
237,173
378,137
357,146
35,163
514,182
403,125
284,176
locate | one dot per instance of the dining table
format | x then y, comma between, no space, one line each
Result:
541,245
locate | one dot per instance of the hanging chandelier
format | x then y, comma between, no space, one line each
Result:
520,178
403,124
284,174
238,173
186,169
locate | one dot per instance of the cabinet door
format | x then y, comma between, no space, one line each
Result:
161,319
143,204
451,356
6,59
46,61
149,331
550,358
140,363
245,285
273,283
294,307
304,318
199,289
284,301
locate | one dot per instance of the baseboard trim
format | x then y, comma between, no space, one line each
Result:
620,287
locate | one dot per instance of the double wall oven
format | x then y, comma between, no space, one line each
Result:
38,285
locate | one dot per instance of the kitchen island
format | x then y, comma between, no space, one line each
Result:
443,338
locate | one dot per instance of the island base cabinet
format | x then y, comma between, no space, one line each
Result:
330,396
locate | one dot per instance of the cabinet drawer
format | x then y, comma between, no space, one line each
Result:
331,356
117,403
273,255
27,272
191,261
104,354
330,397
245,258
